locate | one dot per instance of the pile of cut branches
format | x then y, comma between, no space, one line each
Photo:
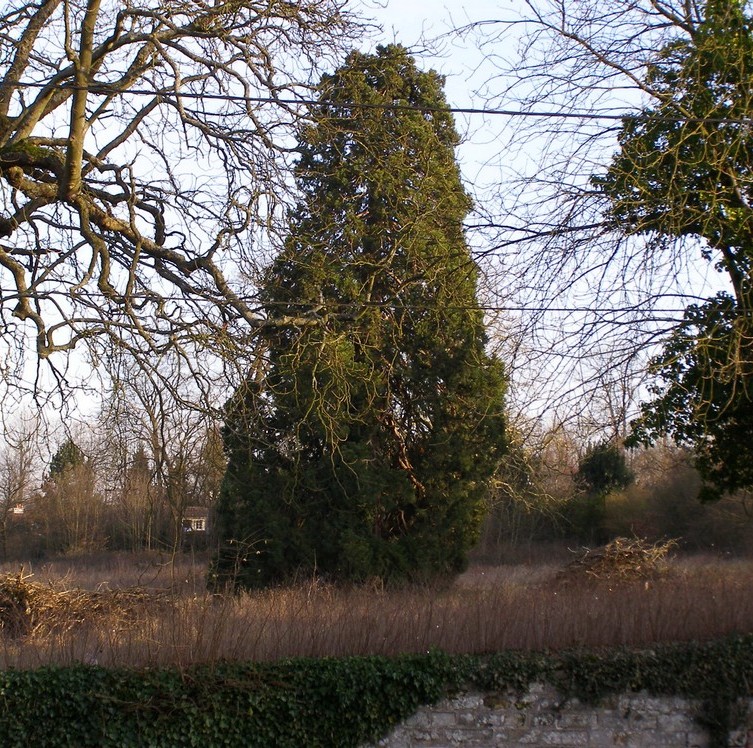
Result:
28,608
622,560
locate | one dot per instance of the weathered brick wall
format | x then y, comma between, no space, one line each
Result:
542,717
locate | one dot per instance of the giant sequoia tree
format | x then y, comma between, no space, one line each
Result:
362,444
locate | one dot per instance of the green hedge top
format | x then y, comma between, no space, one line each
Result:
339,702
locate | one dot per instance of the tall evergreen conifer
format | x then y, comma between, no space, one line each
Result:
68,456
363,446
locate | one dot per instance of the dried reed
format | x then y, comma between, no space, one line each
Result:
172,621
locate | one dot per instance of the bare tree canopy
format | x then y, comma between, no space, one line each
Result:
142,147
602,290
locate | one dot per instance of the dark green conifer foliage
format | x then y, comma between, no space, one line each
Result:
602,469
364,446
68,456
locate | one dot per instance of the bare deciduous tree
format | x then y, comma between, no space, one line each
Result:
601,292
181,459
142,147
18,470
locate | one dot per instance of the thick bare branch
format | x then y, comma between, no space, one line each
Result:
144,164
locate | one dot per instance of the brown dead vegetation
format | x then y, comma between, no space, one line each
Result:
621,560
71,612
30,609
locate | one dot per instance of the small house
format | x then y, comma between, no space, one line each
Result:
195,519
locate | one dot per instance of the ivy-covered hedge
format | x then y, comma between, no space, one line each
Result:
345,702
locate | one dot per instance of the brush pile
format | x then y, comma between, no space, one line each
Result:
28,608
622,560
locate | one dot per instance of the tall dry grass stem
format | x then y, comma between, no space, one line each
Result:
143,612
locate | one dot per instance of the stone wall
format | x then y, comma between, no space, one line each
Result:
542,717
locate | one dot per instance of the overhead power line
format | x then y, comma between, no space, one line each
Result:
314,308
107,90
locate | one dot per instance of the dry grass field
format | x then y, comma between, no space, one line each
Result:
120,610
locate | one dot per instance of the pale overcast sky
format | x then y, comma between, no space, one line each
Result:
424,27
421,23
